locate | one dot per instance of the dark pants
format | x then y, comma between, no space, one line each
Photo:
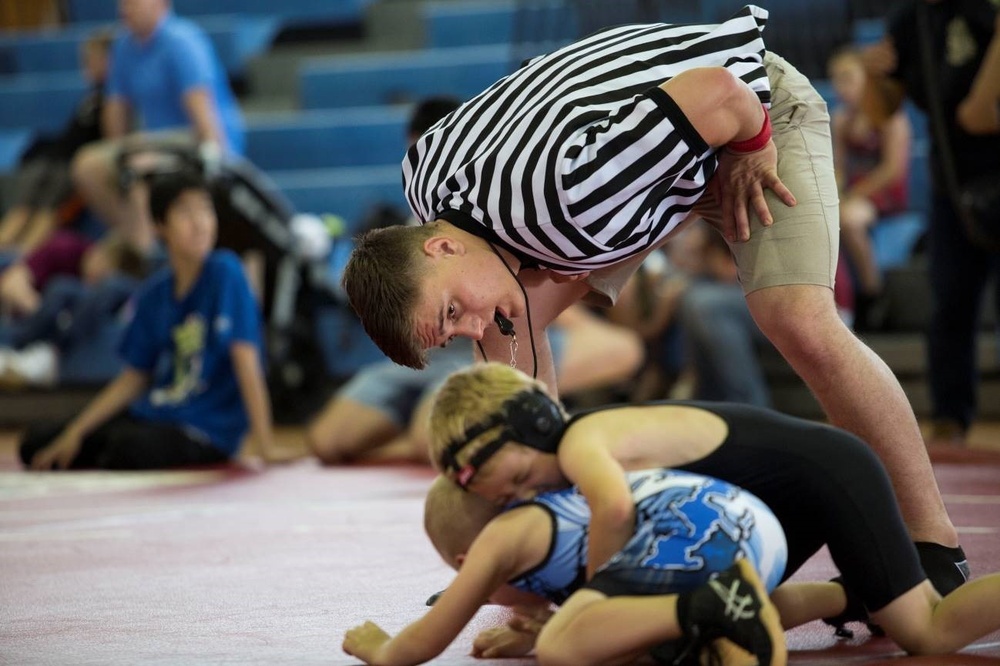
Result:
70,310
959,272
126,442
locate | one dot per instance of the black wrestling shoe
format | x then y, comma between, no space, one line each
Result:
734,605
946,568
854,612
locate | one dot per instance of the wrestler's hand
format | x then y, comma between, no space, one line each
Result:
503,642
516,638
364,641
742,178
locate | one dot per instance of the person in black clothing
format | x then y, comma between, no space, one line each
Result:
43,182
964,39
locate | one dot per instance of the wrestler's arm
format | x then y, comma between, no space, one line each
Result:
588,462
509,545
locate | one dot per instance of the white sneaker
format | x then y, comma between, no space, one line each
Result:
35,365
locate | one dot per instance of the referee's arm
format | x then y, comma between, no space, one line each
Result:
720,106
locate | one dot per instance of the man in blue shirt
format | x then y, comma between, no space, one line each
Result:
167,82
193,382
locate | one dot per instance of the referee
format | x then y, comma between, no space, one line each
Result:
554,184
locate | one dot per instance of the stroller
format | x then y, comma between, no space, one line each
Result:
312,334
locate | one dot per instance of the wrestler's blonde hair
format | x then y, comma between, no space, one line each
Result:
454,518
468,397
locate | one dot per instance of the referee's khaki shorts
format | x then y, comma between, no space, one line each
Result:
802,245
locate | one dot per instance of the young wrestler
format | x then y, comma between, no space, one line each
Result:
823,484
689,527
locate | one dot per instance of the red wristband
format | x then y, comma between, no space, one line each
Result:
756,143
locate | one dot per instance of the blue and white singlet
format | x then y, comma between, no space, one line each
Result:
688,526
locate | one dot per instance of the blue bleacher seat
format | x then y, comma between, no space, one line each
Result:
349,192
323,139
370,80
41,103
12,145
895,236
867,31
332,10
451,24
236,38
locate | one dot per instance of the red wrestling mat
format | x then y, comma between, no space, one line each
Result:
243,566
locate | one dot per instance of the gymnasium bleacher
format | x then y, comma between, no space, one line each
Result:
326,119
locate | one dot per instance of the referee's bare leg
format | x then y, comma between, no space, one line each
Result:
859,393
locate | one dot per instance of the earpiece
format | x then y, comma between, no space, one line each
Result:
535,420
530,417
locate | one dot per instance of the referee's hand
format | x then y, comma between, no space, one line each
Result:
742,179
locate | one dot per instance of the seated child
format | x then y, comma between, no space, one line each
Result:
193,382
871,158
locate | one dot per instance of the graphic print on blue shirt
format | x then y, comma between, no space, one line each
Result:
189,348
185,345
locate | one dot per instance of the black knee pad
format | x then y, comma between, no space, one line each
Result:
946,568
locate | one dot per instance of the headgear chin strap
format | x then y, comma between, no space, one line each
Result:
530,417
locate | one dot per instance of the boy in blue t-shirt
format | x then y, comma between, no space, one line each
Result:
193,382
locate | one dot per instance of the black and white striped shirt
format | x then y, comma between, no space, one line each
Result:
578,159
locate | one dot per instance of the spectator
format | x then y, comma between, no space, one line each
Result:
165,73
871,157
964,47
381,413
43,181
65,253
61,299
721,341
193,381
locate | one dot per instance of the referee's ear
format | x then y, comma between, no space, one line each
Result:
443,246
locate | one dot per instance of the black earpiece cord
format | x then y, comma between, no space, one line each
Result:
527,309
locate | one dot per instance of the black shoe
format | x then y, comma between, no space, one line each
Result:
855,611
734,605
946,568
